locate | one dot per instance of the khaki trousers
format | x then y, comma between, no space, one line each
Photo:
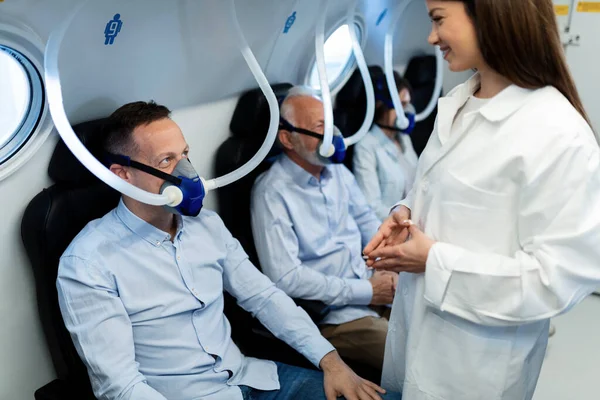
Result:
362,340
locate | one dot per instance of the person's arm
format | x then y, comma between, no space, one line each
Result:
364,166
365,217
559,260
277,247
101,331
256,294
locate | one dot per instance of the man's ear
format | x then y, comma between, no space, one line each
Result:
285,138
121,172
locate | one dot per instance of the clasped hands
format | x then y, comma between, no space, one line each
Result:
399,245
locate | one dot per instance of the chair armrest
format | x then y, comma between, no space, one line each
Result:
55,390
60,389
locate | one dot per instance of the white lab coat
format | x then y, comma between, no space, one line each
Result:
513,201
383,172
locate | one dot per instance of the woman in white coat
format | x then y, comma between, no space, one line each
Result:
385,161
504,229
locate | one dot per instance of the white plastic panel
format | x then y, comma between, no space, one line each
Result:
179,53
584,60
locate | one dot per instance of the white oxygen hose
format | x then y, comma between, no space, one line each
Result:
364,72
61,122
327,149
264,85
389,72
389,65
437,89
172,197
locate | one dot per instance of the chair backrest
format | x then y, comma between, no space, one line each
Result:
351,107
249,126
421,73
51,221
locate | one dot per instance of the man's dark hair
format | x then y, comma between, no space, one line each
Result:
121,124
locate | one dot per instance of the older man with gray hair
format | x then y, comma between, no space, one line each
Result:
310,222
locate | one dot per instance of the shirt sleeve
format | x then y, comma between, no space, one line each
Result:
365,172
277,247
363,214
256,294
101,331
407,201
558,261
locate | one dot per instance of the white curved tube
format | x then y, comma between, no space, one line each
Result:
389,65
364,72
61,122
264,85
327,149
56,106
439,80
389,72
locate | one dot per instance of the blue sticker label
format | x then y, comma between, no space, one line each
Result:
289,22
381,17
112,29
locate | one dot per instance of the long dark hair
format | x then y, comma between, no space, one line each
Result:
519,39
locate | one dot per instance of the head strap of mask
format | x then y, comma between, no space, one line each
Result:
338,141
382,93
184,177
408,131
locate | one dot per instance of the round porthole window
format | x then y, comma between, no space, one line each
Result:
339,59
21,101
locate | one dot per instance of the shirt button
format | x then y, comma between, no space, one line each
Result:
179,257
425,185
158,243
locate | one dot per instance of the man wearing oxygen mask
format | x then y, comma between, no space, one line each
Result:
310,220
141,290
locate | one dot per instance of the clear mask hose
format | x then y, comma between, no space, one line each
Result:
364,72
264,85
327,149
61,122
389,71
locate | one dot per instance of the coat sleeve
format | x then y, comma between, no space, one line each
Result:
558,263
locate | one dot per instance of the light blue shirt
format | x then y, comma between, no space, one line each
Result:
384,173
309,235
146,314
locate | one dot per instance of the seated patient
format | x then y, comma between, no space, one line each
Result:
385,162
141,291
310,223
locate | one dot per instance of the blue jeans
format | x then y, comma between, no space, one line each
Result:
297,383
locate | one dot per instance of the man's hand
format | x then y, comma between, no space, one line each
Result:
393,231
384,287
410,256
340,380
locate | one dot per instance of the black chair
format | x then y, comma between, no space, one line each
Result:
351,107
421,72
249,127
52,219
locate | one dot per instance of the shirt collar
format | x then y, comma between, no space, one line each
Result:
146,231
501,106
301,176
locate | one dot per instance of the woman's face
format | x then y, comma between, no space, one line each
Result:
405,98
454,31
